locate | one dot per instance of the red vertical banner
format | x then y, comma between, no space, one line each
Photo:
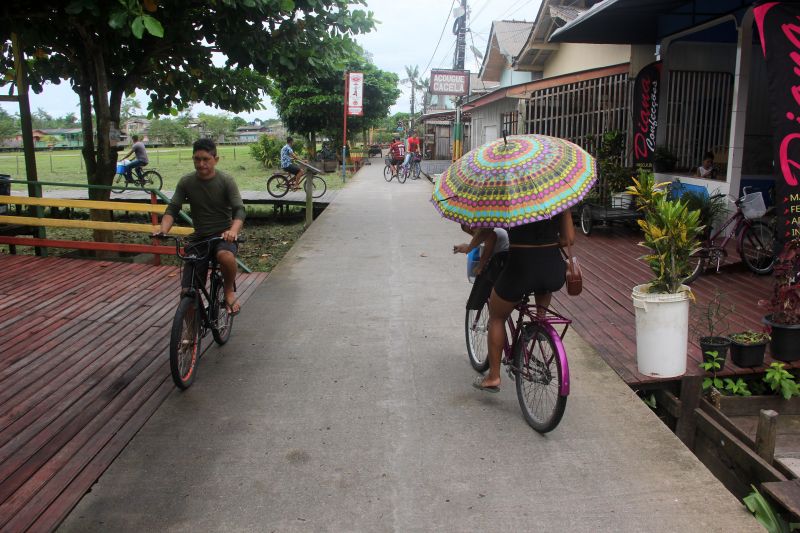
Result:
778,26
355,93
645,115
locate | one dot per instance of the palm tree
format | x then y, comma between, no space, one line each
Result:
412,78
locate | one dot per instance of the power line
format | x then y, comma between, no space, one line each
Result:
440,37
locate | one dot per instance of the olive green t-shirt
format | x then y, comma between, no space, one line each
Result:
214,202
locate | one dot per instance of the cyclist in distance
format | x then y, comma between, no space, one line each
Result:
413,147
217,210
288,157
396,153
534,265
140,159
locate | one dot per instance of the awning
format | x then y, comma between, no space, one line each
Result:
639,22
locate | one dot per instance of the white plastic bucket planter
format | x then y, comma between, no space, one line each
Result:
662,331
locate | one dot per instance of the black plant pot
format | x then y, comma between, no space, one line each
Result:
748,355
715,344
785,344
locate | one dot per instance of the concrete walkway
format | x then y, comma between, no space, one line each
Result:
343,403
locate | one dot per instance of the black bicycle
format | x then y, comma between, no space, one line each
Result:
199,311
148,179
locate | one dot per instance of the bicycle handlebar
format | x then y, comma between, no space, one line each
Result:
189,257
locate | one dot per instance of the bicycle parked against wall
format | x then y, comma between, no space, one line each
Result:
535,359
279,184
755,240
198,312
145,179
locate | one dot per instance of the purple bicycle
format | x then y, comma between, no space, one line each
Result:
535,359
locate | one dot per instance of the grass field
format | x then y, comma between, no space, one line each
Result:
172,163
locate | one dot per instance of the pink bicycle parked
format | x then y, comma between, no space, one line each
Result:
535,359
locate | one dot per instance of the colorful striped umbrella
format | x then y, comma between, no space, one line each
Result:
514,181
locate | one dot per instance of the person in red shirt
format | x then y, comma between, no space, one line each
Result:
396,152
413,147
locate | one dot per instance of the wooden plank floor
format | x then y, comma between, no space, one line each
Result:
83,364
603,313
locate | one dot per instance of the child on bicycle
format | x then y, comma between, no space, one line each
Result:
288,157
217,210
492,261
396,153
413,148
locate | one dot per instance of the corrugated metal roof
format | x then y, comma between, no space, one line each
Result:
511,35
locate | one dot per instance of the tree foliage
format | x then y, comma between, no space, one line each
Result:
315,105
9,125
170,132
108,49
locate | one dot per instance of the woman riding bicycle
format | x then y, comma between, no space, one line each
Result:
534,265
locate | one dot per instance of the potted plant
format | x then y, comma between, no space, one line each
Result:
710,321
784,305
672,233
747,348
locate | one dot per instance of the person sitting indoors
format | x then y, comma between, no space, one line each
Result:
396,153
140,159
707,170
288,158
534,266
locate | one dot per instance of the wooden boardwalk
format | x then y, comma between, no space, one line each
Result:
603,314
83,364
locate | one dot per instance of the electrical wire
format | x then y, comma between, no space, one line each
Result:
440,38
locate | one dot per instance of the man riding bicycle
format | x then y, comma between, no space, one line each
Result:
140,159
288,158
217,210
413,148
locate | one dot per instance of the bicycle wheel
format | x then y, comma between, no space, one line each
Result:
278,185
538,376
184,343
402,174
415,170
476,328
119,184
152,180
697,262
318,187
221,319
586,219
757,248
387,173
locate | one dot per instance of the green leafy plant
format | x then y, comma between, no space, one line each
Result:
781,381
737,388
766,515
712,209
749,337
650,401
267,150
671,232
712,364
664,160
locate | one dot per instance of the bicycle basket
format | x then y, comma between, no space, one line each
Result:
753,205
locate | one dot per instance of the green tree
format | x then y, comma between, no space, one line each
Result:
41,119
128,109
169,132
216,126
9,125
109,49
316,106
412,79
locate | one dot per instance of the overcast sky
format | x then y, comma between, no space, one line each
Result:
407,35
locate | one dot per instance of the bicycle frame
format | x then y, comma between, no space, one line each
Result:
548,322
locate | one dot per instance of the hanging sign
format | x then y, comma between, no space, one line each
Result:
450,82
355,93
645,115
779,28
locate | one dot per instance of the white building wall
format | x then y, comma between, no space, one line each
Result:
488,116
511,77
576,57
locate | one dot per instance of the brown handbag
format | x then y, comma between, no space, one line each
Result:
574,276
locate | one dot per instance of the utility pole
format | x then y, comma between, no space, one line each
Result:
460,30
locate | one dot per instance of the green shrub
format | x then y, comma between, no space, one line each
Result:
267,150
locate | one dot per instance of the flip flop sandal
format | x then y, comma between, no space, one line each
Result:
229,307
478,384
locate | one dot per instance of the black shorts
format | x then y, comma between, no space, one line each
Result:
397,161
484,282
531,270
200,268
292,169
